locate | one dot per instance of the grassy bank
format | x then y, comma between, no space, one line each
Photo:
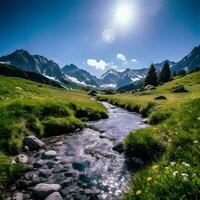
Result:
29,108
170,147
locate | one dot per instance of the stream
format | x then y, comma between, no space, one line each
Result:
85,164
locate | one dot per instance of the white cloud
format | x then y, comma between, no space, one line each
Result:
101,65
134,60
126,62
120,56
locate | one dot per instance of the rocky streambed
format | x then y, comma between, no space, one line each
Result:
85,165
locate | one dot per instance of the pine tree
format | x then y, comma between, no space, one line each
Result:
151,78
165,73
174,74
182,72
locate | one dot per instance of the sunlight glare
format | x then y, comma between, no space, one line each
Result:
124,14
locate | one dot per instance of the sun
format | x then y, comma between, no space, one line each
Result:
124,14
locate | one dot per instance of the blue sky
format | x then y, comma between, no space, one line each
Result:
70,31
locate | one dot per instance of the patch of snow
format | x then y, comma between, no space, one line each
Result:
75,80
135,79
50,77
109,86
109,72
6,62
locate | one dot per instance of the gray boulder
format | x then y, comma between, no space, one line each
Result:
80,166
54,196
119,147
146,120
160,98
50,154
33,142
42,190
45,172
179,89
149,87
21,158
18,196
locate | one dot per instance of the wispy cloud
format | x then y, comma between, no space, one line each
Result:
134,60
101,65
120,56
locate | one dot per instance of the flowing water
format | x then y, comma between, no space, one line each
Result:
86,166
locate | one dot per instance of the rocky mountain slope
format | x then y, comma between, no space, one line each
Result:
34,63
10,71
80,76
189,62
110,79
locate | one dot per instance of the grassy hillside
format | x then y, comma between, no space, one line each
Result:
28,107
170,147
11,71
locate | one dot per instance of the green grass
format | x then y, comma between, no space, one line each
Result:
140,99
176,174
170,147
28,108
8,173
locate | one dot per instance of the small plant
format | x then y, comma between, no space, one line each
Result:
158,116
147,109
58,126
144,145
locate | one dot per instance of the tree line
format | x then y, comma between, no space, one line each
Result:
163,76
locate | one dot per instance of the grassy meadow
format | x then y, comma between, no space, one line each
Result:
30,108
169,147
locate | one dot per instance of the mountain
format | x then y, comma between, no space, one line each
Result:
189,62
71,74
34,63
159,66
118,79
80,76
10,71
133,86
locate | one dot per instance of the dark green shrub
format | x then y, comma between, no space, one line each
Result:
8,173
35,126
158,116
147,109
54,110
90,114
59,126
144,145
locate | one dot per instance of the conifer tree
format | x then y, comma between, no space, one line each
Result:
165,73
151,78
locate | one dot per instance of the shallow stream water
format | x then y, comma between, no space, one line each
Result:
86,166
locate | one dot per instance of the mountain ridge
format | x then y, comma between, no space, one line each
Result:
109,79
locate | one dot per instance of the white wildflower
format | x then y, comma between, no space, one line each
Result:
174,173
172,163
193,174
186,164
183,174
185,178
195,141
198,118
